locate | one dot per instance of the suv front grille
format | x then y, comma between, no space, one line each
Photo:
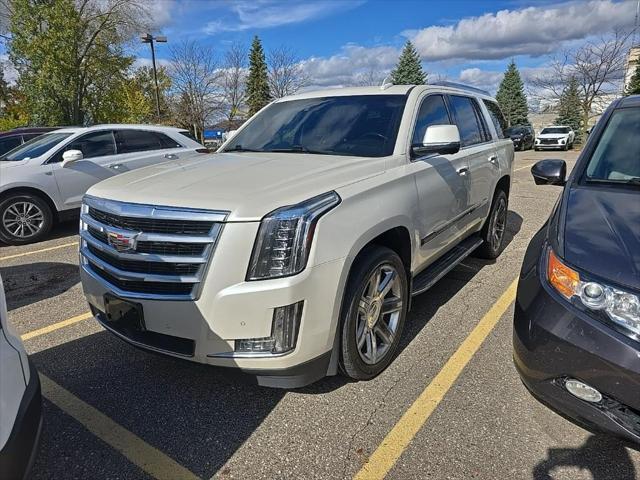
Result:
144,251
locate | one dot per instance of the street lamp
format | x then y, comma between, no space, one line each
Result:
148,38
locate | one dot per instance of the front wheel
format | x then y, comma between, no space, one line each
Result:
24,218
374,311
494,228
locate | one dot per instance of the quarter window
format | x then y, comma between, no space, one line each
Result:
497,118
129,141
467,120
433,111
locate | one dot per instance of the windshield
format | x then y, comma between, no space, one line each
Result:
555,130
35,147
616,159
362,125
516,130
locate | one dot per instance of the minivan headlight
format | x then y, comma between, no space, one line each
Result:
285,236
621,307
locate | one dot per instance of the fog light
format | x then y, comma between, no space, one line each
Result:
284,332
582,391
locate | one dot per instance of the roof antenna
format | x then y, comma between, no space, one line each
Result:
386,83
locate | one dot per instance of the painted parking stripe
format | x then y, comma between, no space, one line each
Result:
56,326
42,250
136,450
400,436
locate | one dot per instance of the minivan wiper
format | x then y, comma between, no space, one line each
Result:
616,181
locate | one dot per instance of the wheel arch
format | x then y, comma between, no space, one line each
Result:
32,191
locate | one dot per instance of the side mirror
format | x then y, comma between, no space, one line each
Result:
550,172
438,139
71,156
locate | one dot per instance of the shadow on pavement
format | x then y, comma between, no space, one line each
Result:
33,282
605,458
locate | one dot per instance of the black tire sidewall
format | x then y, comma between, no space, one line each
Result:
7,237
350,362
486,250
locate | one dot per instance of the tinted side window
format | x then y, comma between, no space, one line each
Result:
467,121
92,145
10,143
433,111
28,136
129,141
166,141
497,118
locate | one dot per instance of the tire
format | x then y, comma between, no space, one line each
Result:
495,225
24,218
370,324
536,149
565,147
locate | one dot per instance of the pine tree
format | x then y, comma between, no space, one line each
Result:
634,85
570,107
408,71
257,81
511,97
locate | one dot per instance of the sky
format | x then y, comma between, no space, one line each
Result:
339,41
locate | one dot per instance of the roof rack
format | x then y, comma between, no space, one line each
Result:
461,86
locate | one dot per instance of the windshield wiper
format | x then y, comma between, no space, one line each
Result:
299,149
616,181
240,148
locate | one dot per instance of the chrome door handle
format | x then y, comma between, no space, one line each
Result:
493,159
463,171
171,156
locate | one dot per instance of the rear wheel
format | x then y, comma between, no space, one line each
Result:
24,218
374,311
494,228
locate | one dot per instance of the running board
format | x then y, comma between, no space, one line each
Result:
434,272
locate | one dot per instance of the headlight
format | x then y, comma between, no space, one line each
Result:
284,238
623,308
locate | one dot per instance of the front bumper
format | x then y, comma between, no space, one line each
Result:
18,454
553,341
212,324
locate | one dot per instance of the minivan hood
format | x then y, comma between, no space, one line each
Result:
602,233
248,185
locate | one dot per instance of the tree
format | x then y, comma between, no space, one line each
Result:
285,72
369,78
511,97
70,55
634,85
258,94
598,66
408,71
233,80
195,76
570,107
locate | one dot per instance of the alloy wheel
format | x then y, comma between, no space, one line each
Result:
23,219
499,222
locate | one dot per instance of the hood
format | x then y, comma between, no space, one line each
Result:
602,233
249,185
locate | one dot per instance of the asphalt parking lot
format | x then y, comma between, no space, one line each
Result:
112,411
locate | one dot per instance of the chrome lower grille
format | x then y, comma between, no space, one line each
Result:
146,251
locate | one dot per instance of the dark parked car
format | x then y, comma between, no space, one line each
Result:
577,317
14,138
523,136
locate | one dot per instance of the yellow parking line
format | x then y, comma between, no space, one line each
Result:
136,450
55,326
33,252
522,168
398,439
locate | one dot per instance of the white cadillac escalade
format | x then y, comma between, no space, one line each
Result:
293,252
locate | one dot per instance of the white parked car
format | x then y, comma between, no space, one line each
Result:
295,253
43,180
555,137
20,403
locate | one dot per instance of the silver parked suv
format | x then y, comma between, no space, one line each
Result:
294,253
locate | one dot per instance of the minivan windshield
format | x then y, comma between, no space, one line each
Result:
358,125
616,158
35,147
554,130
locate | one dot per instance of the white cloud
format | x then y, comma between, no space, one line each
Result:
529,31
8,71
246,15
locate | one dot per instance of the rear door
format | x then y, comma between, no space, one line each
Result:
99,153
478,148
140,148
441,182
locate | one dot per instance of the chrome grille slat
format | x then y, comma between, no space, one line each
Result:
188,235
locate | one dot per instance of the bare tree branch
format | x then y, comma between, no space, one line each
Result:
233,78
286,75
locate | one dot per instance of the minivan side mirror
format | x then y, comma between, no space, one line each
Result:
71,156
550,172
438,139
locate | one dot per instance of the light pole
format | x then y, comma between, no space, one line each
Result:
148,38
